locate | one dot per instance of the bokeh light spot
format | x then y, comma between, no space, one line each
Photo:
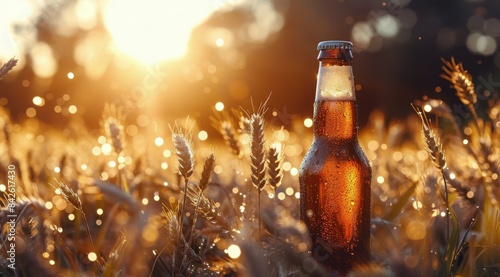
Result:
159,141
233,251
39,101
203,135
92,256
30,112
72,109
308,122
219,106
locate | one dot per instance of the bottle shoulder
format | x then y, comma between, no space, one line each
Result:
341,150
321,160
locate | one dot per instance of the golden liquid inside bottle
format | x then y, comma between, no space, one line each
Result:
335,185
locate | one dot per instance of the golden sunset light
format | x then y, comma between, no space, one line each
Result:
155,30
249,138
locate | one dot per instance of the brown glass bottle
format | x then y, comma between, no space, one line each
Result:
335,176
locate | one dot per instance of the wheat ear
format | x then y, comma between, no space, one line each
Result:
461,81
258,152
275,175
8,66
244,124
184,152
208,168
70,196
436,152
112,123
258,157
224,124
274,160
434,146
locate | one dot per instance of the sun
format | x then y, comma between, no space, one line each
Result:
152,31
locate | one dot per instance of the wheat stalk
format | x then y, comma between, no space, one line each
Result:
172,228
208,167
114,262
185,158
211,213
73,198
436,152
275,172
258,158
8,66
258,154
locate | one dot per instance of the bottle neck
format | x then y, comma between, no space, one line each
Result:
335,82
336,119
335,111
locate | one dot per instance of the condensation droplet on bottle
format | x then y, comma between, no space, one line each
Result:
352,202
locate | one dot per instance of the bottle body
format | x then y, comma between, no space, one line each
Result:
335,178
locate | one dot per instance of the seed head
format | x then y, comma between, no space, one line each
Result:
258,155
460,80
184,152
112,124
274,169
7,67
434,146
208,167
70,196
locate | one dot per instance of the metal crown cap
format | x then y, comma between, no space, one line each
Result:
332,44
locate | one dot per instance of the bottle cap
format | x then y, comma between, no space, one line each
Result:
332,44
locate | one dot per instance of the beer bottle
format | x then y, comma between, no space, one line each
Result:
335,176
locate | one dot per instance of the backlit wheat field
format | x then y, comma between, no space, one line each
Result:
134,184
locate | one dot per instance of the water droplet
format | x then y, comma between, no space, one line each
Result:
309,213
352,202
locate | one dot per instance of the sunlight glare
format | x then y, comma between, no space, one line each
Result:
155,30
